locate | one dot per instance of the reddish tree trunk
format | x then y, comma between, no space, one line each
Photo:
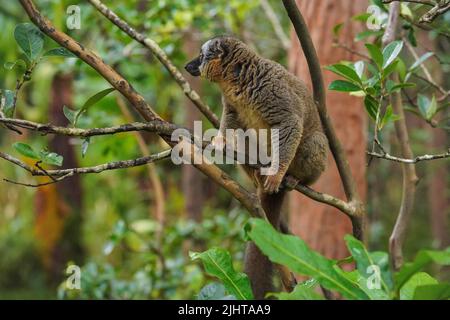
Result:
193,181
58,207
324,227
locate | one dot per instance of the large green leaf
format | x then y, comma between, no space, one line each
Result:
345,86
391,52
439,291
30,39
417,280
366,262
293,252
214,291
302,291
422,259
217,262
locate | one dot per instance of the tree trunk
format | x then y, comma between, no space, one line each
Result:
193,181
58,206
321,226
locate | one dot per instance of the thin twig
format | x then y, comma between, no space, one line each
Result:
410,178
439,7
122,164
425,157
162,57
425,2
273,18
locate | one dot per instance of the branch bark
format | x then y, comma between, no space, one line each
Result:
426,157
410,178
162,57
357,208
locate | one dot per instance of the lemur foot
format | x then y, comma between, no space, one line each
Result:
272,184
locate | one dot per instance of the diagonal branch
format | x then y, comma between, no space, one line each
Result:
247,199
162,57
358,210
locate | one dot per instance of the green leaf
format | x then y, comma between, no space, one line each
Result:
30,39
423,103
368,33
69,114
426,107
51,158
59,52
390,68
7,103
345,71
365,262
375,54
371,106
337,29
440,291
397,87
422,259
391,52
432,109
85,146
217,262
291,251
302,291
388,117
418,279
26,150
359,68
214,291
420,61
91,101
18,62
344,86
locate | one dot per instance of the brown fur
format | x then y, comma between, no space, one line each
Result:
259,93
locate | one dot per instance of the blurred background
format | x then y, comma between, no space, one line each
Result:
131,230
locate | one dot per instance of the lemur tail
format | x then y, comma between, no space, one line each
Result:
257,266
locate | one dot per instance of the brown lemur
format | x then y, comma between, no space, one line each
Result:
258,93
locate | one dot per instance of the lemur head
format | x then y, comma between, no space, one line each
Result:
214,57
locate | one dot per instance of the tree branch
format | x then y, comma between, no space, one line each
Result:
426,157
162,57
64,173
157,126
271,15
425,2
439,7
410,178
309,50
